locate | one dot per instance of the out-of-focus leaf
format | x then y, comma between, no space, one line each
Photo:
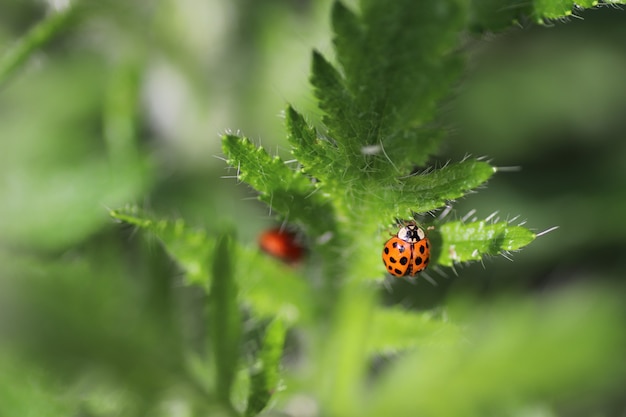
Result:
270,287
344,362
26,390
56,175
562,348
81,317
224,317
41,33
193,249
395,329
264,375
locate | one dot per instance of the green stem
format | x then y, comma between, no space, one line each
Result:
38,36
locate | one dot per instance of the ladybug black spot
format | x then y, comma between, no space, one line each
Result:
389,267
404,260
386,250
392,260
401,249
422,249
398,272
418,261
394,244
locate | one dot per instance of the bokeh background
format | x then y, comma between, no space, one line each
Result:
126,104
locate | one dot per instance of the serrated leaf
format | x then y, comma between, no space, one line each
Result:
553,9
268,286
413,68
397,329
396,65
461,242
499,14
265,375
287,191
313,152
496,15
424,192
262,171
224,317
192,249
395,72
349,37
337,104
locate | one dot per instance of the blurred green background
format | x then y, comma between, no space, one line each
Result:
127,102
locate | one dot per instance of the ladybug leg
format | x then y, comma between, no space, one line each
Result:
428,278
399,222
412,279
387,281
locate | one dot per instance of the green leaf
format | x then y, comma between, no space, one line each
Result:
337,104
264,376
461,242
90,316
272,288
120,116
397,329
286,190
496,15
264,172
490,15
57,177
316,154
431,190
192,249
554,9
561,349
344,348
267,285
224,317
396,65
26,389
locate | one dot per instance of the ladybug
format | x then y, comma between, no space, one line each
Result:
282,244
408,252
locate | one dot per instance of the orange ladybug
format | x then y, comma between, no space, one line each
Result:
282,244
408,252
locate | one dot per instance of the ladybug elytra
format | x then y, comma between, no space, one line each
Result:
408,252
282,244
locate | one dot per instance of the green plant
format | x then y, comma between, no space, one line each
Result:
357,171
368,163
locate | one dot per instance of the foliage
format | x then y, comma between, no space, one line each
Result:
99,321
490,15
268,287
378,125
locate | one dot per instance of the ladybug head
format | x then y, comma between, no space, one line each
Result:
411,233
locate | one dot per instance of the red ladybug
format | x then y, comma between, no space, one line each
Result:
282,244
